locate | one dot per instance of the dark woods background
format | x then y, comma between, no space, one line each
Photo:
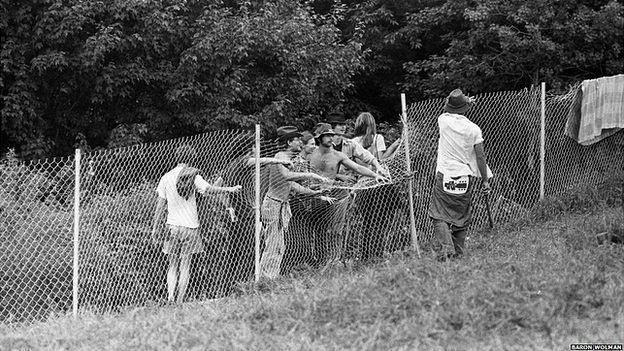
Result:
114,73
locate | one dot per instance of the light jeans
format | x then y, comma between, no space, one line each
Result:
276,216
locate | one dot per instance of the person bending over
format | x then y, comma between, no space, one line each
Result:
176,194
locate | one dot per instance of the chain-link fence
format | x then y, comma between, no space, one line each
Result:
36,238
121,264
510,122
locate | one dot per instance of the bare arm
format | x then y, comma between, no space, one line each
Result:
300,189
361,170
222,189
482,164
391,150
267,161
204,187
365,155
289,175
294,176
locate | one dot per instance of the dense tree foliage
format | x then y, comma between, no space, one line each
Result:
163,68
494,45
425,48
110,73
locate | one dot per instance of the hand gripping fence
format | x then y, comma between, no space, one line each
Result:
121,263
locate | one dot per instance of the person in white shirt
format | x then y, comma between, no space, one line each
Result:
366,135
176,194
461,158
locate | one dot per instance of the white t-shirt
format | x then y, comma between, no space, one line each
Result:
456,153
180,211
377,147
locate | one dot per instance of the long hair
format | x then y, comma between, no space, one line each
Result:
185,183
366,127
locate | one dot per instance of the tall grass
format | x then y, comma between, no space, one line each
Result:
537,287
541,282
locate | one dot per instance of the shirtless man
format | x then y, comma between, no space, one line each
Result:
326,161
276,213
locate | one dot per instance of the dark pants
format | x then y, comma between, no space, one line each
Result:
451,215
451,238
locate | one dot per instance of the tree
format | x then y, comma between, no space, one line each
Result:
498,45
426,48
172,68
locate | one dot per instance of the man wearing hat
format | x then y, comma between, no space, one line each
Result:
460,159
327,161
275,210
352,149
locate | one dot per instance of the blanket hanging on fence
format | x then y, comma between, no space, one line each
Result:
597,111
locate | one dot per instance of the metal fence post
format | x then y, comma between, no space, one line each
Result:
258,226
410,189
542,141
76,233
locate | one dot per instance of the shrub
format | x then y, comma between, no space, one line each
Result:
35,243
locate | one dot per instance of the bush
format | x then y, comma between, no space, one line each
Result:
35,243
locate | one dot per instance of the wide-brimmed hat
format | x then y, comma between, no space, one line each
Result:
457,102
336,117
287,132
323,129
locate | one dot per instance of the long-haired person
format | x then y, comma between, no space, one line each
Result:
177,198
367,136
376,204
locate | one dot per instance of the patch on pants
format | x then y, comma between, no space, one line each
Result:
455,185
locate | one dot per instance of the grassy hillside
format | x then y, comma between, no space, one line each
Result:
526,287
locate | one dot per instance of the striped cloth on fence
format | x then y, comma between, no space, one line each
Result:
598,111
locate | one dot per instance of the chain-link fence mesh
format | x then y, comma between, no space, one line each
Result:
569,164
36,240
510,122
121,265
347,219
